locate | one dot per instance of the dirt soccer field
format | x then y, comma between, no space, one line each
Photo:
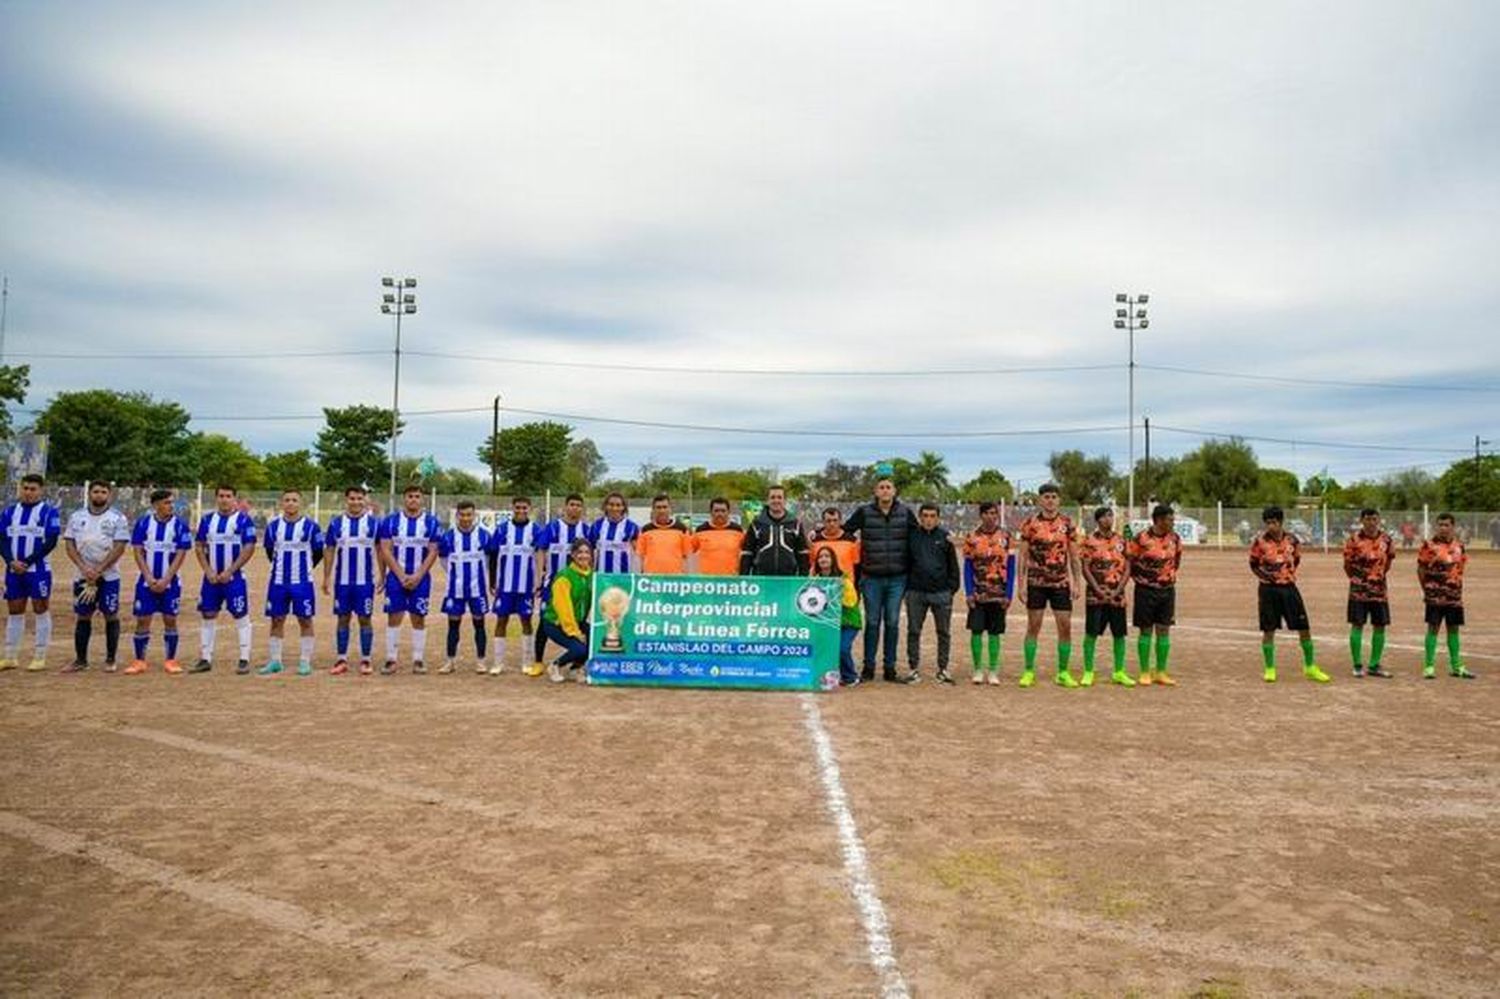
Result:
463,835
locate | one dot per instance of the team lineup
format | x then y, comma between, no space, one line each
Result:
886,554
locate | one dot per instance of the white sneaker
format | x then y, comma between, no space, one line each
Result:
995,678
495,670
480,667
447,667
977,678
583,674
555,673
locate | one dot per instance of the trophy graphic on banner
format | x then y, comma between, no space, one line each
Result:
613,603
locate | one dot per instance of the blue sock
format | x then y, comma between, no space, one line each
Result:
141,640
171,640
341,637
366,641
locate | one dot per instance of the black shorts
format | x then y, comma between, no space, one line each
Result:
1376,612
988,618
1155,605
1450,614
1282,604
1098,617
1042,597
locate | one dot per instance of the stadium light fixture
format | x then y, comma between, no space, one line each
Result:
388,282
408,282
1143,299
1121,313
1122,297
1130,319
396,304
1119,323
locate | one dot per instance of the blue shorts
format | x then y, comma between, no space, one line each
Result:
106,598
475,607
354,598
513,603
148,603
298,600
231,596
28,585
398,599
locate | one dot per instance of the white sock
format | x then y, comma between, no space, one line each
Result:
307,648
15,627
243,630
209,630
275,648
392,642
499,651
418,643
43,633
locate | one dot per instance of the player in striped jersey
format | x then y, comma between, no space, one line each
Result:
613,536
161,542
355,572
408,541
29,530
552,544
513,548
294,544
225,542
95,539
465,548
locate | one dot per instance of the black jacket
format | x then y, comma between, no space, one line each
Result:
883,538
934,562
774,547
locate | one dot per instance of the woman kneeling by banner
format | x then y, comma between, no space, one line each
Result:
566,619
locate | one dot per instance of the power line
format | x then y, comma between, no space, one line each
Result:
1300,442
771,372
186,356
1337,383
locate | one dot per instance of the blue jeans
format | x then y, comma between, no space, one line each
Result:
575,651
848,672
882,596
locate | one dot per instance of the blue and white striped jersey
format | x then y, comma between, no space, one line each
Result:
614,543
409,538
226,535
293,545
467,555
353,542
556,538
515,548
160,541
26,530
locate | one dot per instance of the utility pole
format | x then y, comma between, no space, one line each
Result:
4,307
1131,317
495,450
398,301
1150,483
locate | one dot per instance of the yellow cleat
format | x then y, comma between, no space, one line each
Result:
1145,680
1315,674
37,664
7,663
1028,678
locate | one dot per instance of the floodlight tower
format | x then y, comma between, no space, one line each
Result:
1130,315
398,300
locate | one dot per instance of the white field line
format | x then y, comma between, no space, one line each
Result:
1330,639
856,865
445,970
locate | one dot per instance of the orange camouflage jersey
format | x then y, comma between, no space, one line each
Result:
1367,562
1155,558
1104,559
1048,541
1440,568
985,568
1275,560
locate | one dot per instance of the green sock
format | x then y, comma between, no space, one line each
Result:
1309,653
1429,650
1356,642
1143,651
1118,647
1029,648
1065,652
1268,654
1454,660
1163,650
975,641
1089,641
1377,645
994,653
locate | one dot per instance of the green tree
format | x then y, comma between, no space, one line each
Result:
1158,480
931,472
1273,486
1472,485
118,436
14,382
1409,488
532,456
292,470
841,481
224,459
1081,479
584,466
351,447
989,484
1224,471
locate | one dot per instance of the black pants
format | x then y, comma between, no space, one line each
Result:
918,602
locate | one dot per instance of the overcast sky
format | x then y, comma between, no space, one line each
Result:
1306,191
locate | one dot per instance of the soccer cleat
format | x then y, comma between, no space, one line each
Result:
1429,672
1378,670
304,668
172,666
1087,680
1461,672
494,670
1145,680
1122,678
7,662
1164,679
447,667
388,668
39,663
136,667
242,668
480,668
201,666
1065,679
269,669
555,673
1269,674
366,667
1315,674
419,668
76,666
1028,678
339,668
977,678
943,676
535,669
1359,670
994,678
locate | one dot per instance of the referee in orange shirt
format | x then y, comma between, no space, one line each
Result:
666,542
719,541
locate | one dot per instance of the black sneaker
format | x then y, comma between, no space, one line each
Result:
1359,670
201,666
388,668
867,674
889,675
419,667
912,677
1378,670
850,683
76,666
943,676
242,667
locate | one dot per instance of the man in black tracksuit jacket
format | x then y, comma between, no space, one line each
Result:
883,525
930,584
774,544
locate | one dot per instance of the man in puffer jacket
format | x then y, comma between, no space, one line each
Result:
930,585
774,544
883,526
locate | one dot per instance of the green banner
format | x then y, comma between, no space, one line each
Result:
773,632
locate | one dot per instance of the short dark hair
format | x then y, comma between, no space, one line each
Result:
1448,517
1271,513
928,506
718,501
660,498
1161,510
157,495
1104,511
33,477
285,492
988,505
1049,487
571,497
413,488
578,545
356,489
1369,511
776,487
520,499
463,505
224,487
831,509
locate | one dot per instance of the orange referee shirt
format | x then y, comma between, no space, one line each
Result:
719,549
845,549
664,548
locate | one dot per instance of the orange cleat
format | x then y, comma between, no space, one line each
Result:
1165,680
171,666
136,667
1145,679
